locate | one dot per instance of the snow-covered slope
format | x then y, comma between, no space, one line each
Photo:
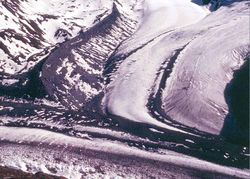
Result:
28,27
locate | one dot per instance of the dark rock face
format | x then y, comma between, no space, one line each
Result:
29,85
236,126
215,4
206,1
63,34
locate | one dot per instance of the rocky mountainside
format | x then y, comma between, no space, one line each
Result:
30,30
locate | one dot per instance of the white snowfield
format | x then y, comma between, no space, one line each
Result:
163,15
212,46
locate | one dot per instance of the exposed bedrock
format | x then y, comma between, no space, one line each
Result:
73,73
215,4
236,124
26,85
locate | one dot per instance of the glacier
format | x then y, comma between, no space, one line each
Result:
125,89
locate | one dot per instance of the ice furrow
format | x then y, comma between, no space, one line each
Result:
155,99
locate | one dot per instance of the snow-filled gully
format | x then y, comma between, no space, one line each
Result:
113,97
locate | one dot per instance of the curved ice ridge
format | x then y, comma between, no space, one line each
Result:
132,82
198,66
